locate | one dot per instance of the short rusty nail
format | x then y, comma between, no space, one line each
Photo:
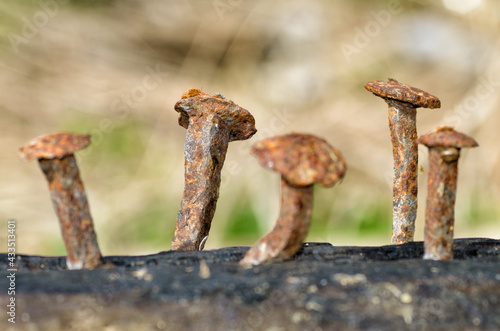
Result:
302,160
403,101
212,122
55,155
444,150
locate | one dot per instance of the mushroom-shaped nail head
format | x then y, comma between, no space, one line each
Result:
302,160
56,145
402,92
446,136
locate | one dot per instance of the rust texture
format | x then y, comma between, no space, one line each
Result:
401,92
302,160
290,230
211,122
402,124
446,136
444,152
55,155
403,101
53,145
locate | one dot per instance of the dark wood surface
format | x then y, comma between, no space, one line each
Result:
322,288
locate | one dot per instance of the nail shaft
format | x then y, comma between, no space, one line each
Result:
403,101
212,122
440,209
402,124
204,152
71,205
54,153
444,151
290,230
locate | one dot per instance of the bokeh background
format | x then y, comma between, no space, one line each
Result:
115,69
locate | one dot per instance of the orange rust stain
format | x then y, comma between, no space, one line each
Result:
191,93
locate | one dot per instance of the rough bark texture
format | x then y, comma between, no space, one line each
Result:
321,288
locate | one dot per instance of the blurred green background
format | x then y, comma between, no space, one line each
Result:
115,69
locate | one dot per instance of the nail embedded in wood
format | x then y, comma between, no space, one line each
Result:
55,153
403,101
212,122
444,151
302,160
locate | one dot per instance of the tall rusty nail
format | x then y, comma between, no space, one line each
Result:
444,150
212,122
302,160
55,155
403,101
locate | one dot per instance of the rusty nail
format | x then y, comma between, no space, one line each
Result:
55,156
212,122
302,160
403,100
444,150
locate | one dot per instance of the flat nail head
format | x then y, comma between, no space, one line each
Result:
446,136
55,145
402,92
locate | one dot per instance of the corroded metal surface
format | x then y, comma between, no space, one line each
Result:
53,145
71,205
68,195
291,156
444,152
446,136
440,211
290,230
402,124
403,100
403,92
211,122
302,160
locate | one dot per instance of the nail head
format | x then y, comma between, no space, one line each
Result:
196,103
302,159
55,145
395,90
446,136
